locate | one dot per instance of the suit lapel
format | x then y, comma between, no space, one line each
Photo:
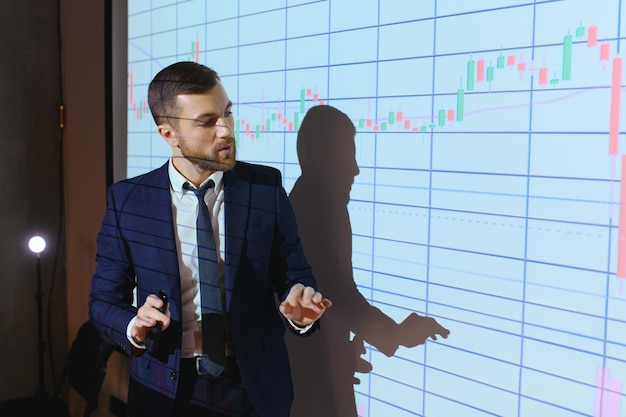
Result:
157,197
236,208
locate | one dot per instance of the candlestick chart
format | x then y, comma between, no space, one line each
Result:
491,192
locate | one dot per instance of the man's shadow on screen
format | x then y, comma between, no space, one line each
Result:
324,365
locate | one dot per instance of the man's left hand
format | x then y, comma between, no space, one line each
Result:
304,305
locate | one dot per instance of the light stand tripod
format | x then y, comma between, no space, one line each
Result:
41,403
37,245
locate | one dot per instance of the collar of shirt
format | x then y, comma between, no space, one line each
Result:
178,180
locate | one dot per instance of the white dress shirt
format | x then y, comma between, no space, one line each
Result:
185,212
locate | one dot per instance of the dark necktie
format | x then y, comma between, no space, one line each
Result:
213,317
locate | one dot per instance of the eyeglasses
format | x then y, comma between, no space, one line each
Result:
209,122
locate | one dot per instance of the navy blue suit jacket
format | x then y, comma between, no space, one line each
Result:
263,259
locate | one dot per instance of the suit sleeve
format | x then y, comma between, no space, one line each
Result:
112,284
289,264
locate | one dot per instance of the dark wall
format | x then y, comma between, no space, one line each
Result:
84,156
31,177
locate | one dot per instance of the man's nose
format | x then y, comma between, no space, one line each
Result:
223,127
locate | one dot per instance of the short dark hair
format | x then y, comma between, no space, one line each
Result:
180,78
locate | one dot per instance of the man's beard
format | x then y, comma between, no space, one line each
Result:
208,164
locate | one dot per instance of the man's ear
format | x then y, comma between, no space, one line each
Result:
167,133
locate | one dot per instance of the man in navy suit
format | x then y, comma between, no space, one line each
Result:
148,243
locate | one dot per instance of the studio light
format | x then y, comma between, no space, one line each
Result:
37,244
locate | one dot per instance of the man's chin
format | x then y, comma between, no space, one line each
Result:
227,166
212,165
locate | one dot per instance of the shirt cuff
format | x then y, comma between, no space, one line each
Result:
130,338
299,329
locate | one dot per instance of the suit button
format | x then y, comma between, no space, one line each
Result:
173,376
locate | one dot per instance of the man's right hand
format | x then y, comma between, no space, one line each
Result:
148,315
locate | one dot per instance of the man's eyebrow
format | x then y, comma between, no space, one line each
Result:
214,114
